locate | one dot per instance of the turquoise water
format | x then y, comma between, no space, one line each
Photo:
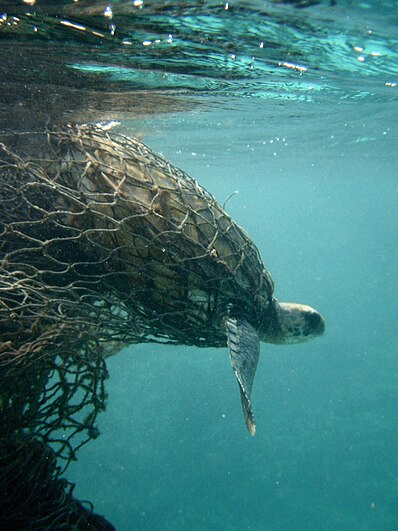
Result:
306,133
174,453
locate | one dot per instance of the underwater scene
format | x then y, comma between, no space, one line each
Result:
286,112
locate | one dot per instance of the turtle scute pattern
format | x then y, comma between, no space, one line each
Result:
169,254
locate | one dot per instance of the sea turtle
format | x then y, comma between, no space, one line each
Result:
122,238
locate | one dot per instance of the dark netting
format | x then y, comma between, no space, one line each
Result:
33,496
116,244
103,244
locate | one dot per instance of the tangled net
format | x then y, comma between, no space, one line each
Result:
102,244
32,494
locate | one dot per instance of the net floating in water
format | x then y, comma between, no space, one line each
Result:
102,244
101,233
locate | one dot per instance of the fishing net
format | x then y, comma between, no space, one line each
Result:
32,494
124,245
102,244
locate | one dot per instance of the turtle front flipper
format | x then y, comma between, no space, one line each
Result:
244,350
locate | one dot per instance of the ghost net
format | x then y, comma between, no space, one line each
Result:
102,244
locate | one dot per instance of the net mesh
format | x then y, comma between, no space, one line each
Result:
32,494
102,244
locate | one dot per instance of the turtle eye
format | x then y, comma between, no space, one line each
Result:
315,324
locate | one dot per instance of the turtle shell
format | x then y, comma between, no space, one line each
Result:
126,231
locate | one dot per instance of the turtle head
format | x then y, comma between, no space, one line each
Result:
294,323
